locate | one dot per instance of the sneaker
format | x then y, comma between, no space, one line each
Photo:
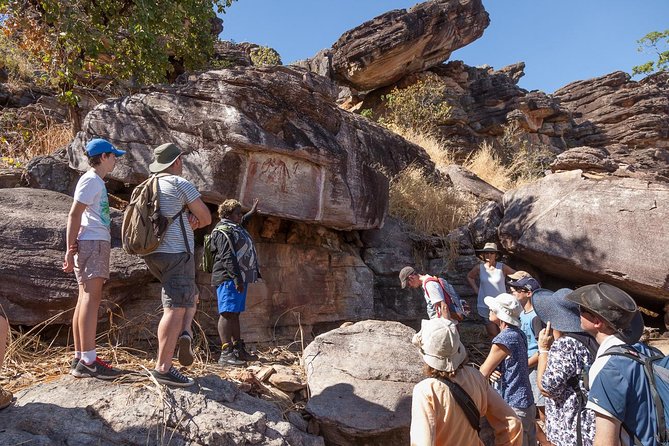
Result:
5,398
172,378
230,356
242,353
185,349
98,369
73,365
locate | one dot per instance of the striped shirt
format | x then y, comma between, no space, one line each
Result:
175,193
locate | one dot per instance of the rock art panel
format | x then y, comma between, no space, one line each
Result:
252,130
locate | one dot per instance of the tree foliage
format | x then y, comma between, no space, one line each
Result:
126,41
658,43
264,56
421,106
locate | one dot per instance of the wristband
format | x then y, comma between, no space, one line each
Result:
541,352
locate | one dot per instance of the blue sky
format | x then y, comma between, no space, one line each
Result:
559,41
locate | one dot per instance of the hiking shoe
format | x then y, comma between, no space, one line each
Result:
73,365
242,353
98,369
185,349
5,398
230,356
172,378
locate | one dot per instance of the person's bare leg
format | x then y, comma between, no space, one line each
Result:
168,333
188,319
4,331
89,304
76,333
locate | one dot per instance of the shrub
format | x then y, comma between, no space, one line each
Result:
23,138
421,106
264,56
427,206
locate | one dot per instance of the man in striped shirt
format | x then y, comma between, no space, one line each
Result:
173,263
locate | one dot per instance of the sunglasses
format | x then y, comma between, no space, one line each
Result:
584,310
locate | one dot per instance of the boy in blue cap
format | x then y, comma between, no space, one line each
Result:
88,251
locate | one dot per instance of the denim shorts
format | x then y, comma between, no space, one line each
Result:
229,299
176,273
91,260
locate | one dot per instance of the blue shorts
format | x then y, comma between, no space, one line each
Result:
229,299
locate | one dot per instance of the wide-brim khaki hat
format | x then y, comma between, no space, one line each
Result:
164,156
439,343
488,247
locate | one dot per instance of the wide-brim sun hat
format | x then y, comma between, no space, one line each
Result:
164,156
488,247
506,307
552,306
613,305
439,343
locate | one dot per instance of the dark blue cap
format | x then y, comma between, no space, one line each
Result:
98,146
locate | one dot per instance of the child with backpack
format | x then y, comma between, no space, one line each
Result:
565,355
508,354
235,265
440,296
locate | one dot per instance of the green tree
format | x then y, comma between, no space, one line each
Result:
127,42
422,106
658,43
262,56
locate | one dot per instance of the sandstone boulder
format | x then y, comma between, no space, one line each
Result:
270,132
67,411
466,181
52,172
586,159
400,42
586,230
361,378
32,233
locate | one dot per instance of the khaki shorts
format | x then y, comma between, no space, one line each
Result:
91,260
176,273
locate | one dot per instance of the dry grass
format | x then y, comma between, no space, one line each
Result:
439,153
34,357
488,166
25,138
430,208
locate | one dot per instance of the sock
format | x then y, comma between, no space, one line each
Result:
77,355
89,357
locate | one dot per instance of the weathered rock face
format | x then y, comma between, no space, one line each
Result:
484,103
612,109
213,413
361,378
401,42
52,172
583,230
32,244
260,132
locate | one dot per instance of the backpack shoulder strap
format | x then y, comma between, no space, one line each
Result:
465,402
628,351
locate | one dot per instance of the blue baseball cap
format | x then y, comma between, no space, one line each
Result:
98,146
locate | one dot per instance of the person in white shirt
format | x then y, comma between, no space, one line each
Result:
88,249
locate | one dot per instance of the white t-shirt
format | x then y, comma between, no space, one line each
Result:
95,221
